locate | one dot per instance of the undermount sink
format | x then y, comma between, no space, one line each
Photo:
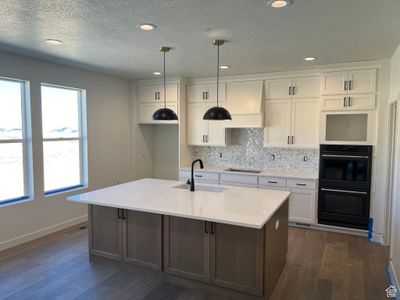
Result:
203,188
243,170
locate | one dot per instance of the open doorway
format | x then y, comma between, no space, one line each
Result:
393,120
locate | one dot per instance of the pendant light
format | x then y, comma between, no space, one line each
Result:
165,114
217,113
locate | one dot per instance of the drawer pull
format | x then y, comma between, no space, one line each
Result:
272,181
301,184
196,175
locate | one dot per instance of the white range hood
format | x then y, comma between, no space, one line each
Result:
244,102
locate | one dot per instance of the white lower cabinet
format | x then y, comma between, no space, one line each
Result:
302,206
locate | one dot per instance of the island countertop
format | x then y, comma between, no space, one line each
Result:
247,207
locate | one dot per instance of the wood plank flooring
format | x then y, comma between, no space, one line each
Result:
321,265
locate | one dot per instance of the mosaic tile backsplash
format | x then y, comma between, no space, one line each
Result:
246,151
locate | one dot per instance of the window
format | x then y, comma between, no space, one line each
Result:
15,150
64,138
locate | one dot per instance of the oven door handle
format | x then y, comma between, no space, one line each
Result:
344,191
344,156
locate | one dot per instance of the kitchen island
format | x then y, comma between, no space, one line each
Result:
226,240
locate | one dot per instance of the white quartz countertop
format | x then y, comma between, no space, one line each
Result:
247,207
269,173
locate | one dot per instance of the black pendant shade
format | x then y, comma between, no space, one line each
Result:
165,114
217,113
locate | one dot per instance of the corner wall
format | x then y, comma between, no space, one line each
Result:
108,146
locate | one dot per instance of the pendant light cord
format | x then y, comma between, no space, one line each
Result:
217,72
165,87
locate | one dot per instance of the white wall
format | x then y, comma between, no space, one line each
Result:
108,122
395,240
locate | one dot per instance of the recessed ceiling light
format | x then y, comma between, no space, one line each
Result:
311,58
53,42
279,3
157,73
224,67
147,26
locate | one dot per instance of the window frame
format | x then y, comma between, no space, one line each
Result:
26,143
82,138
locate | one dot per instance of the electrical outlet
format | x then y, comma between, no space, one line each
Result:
220,155
305,158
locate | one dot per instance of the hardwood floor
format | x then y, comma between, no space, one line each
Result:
321,265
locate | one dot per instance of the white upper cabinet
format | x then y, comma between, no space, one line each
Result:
349,82
277,123
278,88
334,83
155,93
205,92
146,111
298,87
196,126
201,132
305,121
349,90
306,87
362,81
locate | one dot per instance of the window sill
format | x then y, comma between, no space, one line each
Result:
65,190
18,200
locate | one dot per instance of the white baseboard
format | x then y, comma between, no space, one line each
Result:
41,232
393,278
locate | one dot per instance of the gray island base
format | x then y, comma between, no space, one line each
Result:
225,259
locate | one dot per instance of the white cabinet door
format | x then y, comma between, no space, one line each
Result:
196,126
333,83
172,92
305,120
361,101
147,93
277,123
306,87
211,90
195,93
302,206
333,102
362,81
277,88
216,135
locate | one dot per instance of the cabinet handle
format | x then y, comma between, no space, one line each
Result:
212,228
207,95
288,140
204,95
349,101
345,85
119,213
300,184
290,90
293,90
206,138
197,175
292,139
123,212
205,227
272,182
350,85
344,101
203,139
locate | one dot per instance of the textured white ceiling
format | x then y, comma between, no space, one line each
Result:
102,35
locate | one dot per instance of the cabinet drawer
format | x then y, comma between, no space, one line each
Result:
302,184
238,179
272,181
200,176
